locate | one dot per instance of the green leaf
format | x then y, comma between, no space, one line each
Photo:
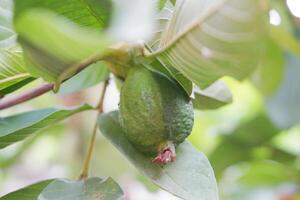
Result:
206,40
270,72
13,72
235,146
285,39
92,188
55,47
17,127
213,97
226,154
254,132
189,177
158,66
161,4
12,68
7,34
88,77
15,86
91,13
260,173
162,19
283,106
27,193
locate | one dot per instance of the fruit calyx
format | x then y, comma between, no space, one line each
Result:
166,155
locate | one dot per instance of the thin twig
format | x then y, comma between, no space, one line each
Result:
86,164
7,102
31,94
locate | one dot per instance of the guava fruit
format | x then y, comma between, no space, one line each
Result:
155,113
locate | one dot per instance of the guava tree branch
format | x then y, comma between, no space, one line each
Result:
7,102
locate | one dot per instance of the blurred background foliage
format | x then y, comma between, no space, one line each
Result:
253,143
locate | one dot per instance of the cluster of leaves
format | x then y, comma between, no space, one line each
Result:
76,44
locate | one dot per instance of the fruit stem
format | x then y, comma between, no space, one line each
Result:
86,164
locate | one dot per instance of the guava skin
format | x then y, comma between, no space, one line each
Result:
155,113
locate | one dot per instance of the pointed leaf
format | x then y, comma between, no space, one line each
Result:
92,188
27,193
206,40
17,127
213,97
55,47
189,177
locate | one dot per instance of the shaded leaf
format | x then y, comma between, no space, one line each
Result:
189,177
206,40
226,154
283,106
254,132
268,173
88,77
55,47
270,72
213,97
91,13
236,145
27,193
92,188
17,127
7,34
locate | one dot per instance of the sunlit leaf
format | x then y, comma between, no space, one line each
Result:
27,193
189,177
92,188
17,127
214,96
206,40
88,77
55,47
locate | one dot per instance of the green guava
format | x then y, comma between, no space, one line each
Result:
155,113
